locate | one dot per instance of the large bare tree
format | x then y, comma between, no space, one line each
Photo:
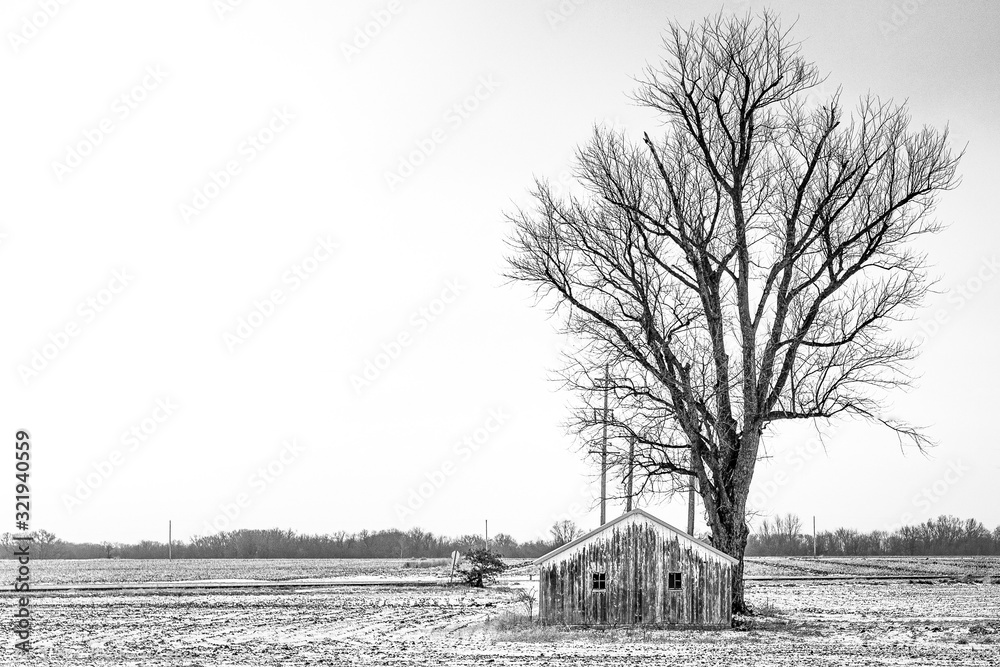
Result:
745,267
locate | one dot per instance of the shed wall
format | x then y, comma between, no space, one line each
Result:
636,558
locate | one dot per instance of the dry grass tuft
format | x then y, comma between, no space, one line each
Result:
767,610
427,562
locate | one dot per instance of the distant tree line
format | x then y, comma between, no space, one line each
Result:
780,536
943,536
276,543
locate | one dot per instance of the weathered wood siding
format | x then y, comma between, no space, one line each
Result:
636,558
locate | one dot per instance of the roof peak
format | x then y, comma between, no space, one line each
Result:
636,512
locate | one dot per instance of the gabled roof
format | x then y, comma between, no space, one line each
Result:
634,513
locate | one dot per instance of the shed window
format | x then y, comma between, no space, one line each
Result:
600,581
674,581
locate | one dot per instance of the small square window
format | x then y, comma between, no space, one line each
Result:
674,581
600,581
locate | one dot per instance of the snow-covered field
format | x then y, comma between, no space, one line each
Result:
105,570
979,566
813,623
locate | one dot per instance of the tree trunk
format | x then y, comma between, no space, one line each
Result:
739,601
729,535
735,543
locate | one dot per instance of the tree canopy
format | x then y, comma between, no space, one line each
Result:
745,267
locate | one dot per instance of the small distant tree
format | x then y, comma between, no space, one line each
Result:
790,527
46,545
484,567
503,544
564,532
469,542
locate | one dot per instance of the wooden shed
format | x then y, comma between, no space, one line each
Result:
636,569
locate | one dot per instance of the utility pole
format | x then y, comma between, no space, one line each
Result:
604,449
691,494
631,469
170,540
606,380
691,499
487,534
814,535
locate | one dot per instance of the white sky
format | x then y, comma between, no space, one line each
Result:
419,259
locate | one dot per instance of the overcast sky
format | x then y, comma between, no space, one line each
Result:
251,261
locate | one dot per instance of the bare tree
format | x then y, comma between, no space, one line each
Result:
789,528
46,545
503,544
743,269
564,532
